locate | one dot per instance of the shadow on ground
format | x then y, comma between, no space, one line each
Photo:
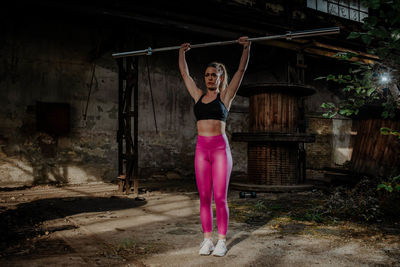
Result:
271,226
24,221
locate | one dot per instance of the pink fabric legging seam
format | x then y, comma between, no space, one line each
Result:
213,166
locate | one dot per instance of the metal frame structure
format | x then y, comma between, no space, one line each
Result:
128,145
128,83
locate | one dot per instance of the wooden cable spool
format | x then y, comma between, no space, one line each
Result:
273,137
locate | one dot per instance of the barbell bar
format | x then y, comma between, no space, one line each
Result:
288,36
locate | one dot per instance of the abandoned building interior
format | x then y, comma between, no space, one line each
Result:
91,133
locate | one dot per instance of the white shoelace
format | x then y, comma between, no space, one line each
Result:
204,241
220,248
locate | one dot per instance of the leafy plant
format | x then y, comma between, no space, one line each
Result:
392,185
361,202
260,205
363,83
314,215
387,131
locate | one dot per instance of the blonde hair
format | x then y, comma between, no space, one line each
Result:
222,70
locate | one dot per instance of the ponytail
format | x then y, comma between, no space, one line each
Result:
222,71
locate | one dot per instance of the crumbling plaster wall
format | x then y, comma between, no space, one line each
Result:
333,136
48,60
43,61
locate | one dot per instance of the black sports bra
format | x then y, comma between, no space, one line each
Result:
215,110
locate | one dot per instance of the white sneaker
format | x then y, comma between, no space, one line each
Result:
206,247
220,249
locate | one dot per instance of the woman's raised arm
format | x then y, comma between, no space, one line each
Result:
230,92
191,86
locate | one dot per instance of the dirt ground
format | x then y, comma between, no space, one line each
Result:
94,225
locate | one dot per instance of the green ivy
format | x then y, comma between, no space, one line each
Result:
361,84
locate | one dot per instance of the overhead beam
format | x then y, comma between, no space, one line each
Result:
318,51
221,29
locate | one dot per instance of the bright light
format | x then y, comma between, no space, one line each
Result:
385,78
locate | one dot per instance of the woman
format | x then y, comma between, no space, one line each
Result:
213,160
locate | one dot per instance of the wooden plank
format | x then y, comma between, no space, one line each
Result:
276,126
268,112
273,137
285,119
374,153
261,113
279,113
271,188
361,147
375,142
251,114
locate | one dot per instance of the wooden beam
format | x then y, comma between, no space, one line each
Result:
317,51
270,188
342,49
273,137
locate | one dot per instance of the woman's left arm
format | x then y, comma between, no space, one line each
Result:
230,92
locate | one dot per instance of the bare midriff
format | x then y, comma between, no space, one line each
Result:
210,127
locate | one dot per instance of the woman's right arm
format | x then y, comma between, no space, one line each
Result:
191,86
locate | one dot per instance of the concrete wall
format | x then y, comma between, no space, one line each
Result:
42,61
333,145
47,60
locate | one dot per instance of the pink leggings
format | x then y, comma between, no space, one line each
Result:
213,165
